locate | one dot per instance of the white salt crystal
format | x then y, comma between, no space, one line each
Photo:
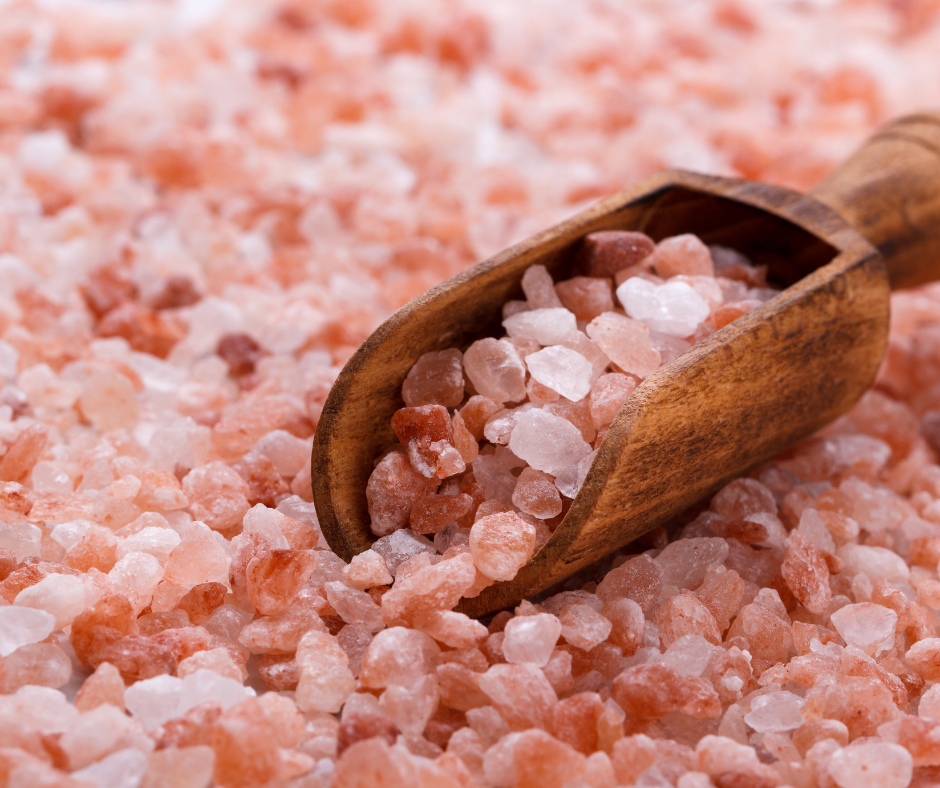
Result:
21,539
9,361
689,655
562,370
545,326
495,368
878,563
62,596
673,308
154,701
207,686
548,443
41,709
288,453
873,764
122,769
584,346
22,625
775,712
70,533
571,479
867,626
539,288
499,426
531,639
136,576
399,546
158,542
47,478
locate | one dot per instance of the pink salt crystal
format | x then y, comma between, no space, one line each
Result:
673,308
579,342
539,288
741,498
198,558
775,712
354,606
62,596
373,762
288,453
562,370
460,687
576,721
20,626
533,759
275,578
718,756
180,767
398,656
136,577
366,570
280,633
477,412
435,379
608,393
583,627
501,545
626,342
536,494
453,629
685,614
682,254
871,765
814,731
586,296
38,665
867,626
218,660
545,326
806,574
399,546
531,639
217,495
496,370
878,563
861,703
325,678
521,694
437,587
639,578
685,563
924,657
608,251
105,685
627,624
245,747
108,400
392,489
410,708
547,442
427,435
464,441
650,691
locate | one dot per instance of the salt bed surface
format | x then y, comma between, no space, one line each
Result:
207,207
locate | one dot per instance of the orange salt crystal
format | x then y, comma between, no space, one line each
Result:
280,633
217,495
578,413
460,687
241,352
627,624
583,627
638,578
924,657
464,441
431,512
325,680
806,573
105,685
373,762
201,600
392,489
685,614
435,379
501,544
275,578
575,721
106,622
650,691
366,570
245,746
536,759
437,587
358,727
860,703
477,412
608,251
23,453
586,296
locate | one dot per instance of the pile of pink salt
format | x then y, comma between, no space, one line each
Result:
541,399
206,207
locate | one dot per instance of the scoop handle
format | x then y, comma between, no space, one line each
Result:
890,191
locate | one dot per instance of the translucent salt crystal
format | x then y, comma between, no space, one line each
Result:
497,479
47,478
545,326
689,655
814,531
398,655
878,563
44,389
571,479
924,657
873,764
399,546
581,344
539,288
22,625
496,370
21,539
367,569
288,453
180,767
535,493
122,769
501,544
583,627
626,342
136,577
562,370
586,296
158,542
775,712
108,400
685,562
673,308
929,706
605,252
867,626
668,346
62,596
198,558
499,426
154,701
410,708
354,606
531,639
207,686
548,443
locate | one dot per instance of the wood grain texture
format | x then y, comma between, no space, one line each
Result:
729,403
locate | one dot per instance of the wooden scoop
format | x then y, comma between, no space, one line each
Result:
727,404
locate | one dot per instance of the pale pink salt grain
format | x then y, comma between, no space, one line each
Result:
561,370
871,765
325,678
496,370
682,254
535,493
398,656
366,570
501,545
867,626
531,639
547,326
547,442
539,288
626,342
217,495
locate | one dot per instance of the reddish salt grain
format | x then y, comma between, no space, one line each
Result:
393,488
501,545
607,252
435,379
